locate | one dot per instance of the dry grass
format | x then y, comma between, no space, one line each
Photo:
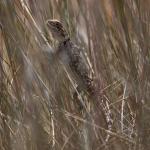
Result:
36,106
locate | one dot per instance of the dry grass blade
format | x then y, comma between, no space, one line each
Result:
37,105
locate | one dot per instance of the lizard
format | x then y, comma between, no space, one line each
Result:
73,57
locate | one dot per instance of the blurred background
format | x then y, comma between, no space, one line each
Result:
37,111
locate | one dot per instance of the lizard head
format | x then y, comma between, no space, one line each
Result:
57,30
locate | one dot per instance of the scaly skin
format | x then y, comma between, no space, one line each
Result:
73,57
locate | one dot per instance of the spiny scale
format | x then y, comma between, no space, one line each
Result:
73,57
77,64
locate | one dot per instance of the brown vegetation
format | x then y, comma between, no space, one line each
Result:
37,111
